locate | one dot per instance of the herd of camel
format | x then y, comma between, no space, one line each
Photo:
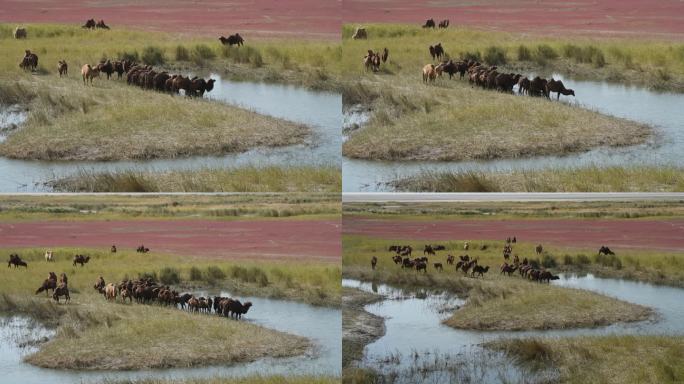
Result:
148,291
529,269
486,77
144,76
143,290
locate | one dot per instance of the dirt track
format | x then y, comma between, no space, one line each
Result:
588,17
617,234
301,240
302,18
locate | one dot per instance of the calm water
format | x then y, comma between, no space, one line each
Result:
414,322
663,111
321,325
320,110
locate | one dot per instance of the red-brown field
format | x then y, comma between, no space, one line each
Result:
587,17
296,240
299,18
667,235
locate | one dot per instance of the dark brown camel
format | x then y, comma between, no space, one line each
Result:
558,87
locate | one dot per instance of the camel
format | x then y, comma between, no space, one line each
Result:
20,33
48,284
89,73
479,270
100,285
63,68
558,87
106,67
90,24
508,269
16,261
110,292
429,73
523,86
81,259
436,51
29,61
605,250
237,309
61,290
231,40
538,87
101,24
360,33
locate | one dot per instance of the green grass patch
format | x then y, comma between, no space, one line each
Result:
132,207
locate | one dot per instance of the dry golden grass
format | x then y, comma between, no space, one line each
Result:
606,359
586,179
114,121
454,122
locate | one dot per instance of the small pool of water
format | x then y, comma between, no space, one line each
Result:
414,326
321,325
663,111
320,110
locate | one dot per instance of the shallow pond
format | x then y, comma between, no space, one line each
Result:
320,110
321,325
663,111
414,323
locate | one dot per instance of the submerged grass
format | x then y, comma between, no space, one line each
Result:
584,179
113,121
259,379
276,379
242,179
606,359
